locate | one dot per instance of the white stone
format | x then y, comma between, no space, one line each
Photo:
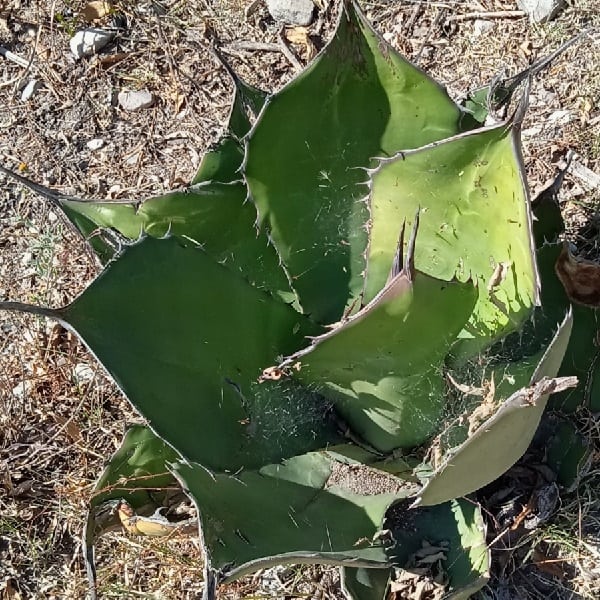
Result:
95,144
90,41
531,132
133,159
560,117
540,11
33,85
26,259
481,26
292,12
22,390
135,100
83,373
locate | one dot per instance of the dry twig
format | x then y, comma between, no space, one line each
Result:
498,14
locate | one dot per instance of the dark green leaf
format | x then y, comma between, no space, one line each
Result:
475,223
383,366
306,156
186,339
308,509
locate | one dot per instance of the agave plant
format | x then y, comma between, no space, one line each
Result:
324,330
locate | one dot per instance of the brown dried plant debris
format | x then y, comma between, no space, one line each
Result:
424,577
59,416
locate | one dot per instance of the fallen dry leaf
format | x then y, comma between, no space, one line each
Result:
8,591
424,577
553,567
580,278
70,427
93,11
112,59
299,35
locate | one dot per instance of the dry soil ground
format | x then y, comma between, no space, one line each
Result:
60,418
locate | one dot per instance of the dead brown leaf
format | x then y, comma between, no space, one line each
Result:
300,36
548,565
424,577
580,278
70,427
112,59
487,407
8,591
96,10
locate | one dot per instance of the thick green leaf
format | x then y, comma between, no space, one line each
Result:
508,365
475,224
307,153
476,105
503,438
247,104
365,584
458,525
568,452
548,224
481,385
382,367
103,249
137,473
491,98
120,216
514,359
214,215
308,509
223,161
84,225
582,356
186,340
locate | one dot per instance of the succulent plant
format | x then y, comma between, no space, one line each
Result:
324,331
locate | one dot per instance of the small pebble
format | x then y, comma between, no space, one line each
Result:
26,259
83,373
95,144
541,11
135,100
481,26
33,85
560,117
292,12
22,390
90,41
532,132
